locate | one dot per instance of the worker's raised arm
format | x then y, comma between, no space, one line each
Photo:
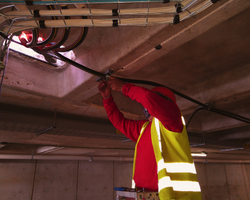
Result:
104,89
130,128
116,84
166,111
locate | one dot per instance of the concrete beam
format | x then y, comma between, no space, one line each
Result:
10,119
239,135
179,35
226,88
199,142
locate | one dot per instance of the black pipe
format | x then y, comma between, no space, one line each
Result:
80,66
205,106
198,109
157,84
229,114
93,72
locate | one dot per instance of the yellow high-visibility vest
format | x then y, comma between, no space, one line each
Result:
177,177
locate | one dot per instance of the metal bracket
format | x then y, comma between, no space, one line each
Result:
107,75
48,129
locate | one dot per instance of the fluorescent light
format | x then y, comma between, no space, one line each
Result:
196,145
233,149
47,149
199,154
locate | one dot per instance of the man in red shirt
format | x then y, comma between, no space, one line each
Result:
164,109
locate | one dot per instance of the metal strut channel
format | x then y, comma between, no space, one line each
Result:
83,2
117,21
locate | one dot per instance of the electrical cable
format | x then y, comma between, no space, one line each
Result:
79,40
52,34
33,41
63,38
198,109
101,75
93,72
205,106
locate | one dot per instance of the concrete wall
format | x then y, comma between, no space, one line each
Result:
83,180
62,180
224,181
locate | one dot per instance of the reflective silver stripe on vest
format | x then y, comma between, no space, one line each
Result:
133,184
176,167
165,182
183,186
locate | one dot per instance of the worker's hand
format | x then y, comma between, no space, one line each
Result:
104,89
116,84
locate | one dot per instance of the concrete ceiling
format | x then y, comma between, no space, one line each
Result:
205,57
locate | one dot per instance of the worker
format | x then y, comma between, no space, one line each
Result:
162,160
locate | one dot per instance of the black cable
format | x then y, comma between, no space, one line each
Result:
64,37
53,32
77,42
157,84
33,41
3,35
229,114
93,72
205,106
198,109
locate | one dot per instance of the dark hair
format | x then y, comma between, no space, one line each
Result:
146,113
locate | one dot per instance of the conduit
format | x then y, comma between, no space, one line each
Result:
204,106
110,158
63,157
52,34
182,16
105,76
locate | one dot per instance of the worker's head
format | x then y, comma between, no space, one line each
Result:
163,92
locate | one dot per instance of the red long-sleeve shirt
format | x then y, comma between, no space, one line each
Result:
167,112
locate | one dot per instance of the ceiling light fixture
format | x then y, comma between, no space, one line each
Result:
2,144
232,149
196,145
199,154
47,149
